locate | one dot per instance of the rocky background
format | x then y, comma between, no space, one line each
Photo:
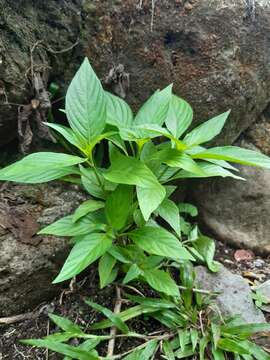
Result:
217,54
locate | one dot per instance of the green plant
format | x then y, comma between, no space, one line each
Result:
189,326
259,298
128,175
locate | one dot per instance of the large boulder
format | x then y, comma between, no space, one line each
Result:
216,52
236,211
28,262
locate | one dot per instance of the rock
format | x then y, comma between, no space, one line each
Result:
216,53
264,288
235,211
28,262
235,298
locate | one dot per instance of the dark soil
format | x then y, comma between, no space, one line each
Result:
71,305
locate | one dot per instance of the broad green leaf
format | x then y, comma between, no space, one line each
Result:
66,227
87,207
206,131
62,337
105,268
138,218
117,141
119,113
183,336
246,329
168,351
206,247
159,241
130,171
65,324
125,315
255,350
93,182
150,198
114,318
118,254
154,110
232,346
86,104
133,272
161,281
209,170
237,155
67,133
178,159
188,209
179,116
168,210
85,252
118,206
41,167
68,350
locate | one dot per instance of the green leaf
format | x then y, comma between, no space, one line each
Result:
41,167
118,205
206,247
158,241
115,319
158,303
188,209
65,324
66,227
133,272
233,346
94,183
145,353
255,350
246,329
217,354
215,328
202,345
161,281
168,210
67,133
178,159
154,110
87,207
85,252
68,350
86,104
125,315
149,199
168,351
206,131
119,113
194,336
130,171
179,354
105,268
179,116
237,155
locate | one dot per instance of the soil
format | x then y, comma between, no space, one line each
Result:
71,305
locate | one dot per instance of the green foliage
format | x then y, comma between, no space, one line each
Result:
127,164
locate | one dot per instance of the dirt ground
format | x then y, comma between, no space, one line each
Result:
71,305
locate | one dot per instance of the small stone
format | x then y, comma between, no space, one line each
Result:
259,263
243,255
188,6
236,296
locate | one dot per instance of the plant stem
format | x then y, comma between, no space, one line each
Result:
117,309
200,291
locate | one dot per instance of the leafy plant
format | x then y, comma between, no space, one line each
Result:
128,164
188,326
259,298
128,176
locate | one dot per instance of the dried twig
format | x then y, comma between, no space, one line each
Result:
117,309
18,318
152,14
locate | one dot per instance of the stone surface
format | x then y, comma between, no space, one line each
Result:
236,211
28,262
265,289
235,298
216,52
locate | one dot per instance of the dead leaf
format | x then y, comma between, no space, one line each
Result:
119,79
243,255
252,275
